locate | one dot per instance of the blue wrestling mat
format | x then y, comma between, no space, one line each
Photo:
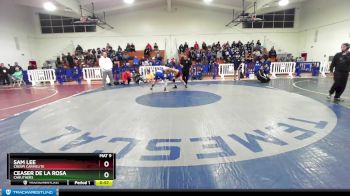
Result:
213,135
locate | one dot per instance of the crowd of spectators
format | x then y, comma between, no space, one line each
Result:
228,52
216,53
90,57
10,73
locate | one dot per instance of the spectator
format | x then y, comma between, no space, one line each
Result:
262,77
258,43
252,45
192,55
219,55
132,47
204,58
249,58
196,46
120,49
247,47
128,48
257,55
273,54
213,48
70,60
31,66
185,46
147,52
204,46
58,63
108,46
126,77
209,55
240,44
181,49
4,75
79,49
16,65
126,57
159,56
145,62
218,46
149,76
119,55
156,48
12,69
136,61
93,52
157,62
149,47
18,75
233,45
197,56
137,78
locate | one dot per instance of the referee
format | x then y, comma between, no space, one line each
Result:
186,65
106,66
341,63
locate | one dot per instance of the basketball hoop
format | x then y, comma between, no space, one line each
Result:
253,17
83,19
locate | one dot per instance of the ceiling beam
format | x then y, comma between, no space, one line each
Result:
214,5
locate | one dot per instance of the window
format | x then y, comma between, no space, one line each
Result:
67,22
46,29
247,25
45,23
68,29
79,28
57,30
56,23
257,25
278,25
289,25
268,25
62,24
280,19
91,28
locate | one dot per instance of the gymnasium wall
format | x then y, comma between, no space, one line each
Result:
168,29
324,26
321,26
16,28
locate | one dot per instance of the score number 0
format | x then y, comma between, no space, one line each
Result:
106,165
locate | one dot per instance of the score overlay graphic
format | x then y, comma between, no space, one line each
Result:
61,169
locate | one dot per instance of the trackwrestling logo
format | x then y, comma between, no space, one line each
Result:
201,137
29,192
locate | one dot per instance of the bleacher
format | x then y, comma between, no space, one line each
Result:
198,71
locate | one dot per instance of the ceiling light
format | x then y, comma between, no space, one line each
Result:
49,6
283,2
208,1
129,1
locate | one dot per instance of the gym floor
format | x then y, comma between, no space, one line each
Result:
213,135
